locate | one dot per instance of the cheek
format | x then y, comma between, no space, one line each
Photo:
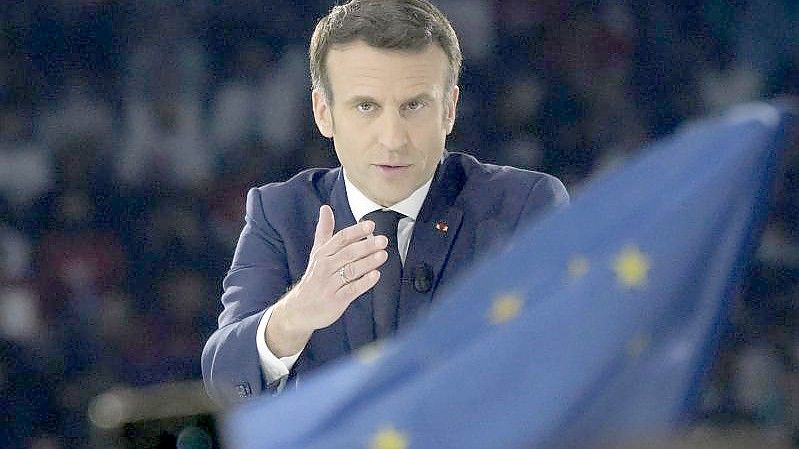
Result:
430,125
351,146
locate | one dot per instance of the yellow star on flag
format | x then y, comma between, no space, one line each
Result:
389,438
631,267
370,353
637,345
578,267
504,308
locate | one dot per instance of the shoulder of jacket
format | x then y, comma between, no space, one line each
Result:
307,183
480,173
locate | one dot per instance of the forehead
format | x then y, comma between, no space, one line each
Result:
359,69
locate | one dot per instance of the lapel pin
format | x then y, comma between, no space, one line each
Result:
442,226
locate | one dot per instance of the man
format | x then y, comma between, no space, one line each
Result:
323,266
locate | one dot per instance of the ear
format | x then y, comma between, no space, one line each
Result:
321,113
451,105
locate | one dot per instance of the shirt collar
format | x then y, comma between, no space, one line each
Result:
361,205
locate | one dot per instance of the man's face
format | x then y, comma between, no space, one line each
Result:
390,116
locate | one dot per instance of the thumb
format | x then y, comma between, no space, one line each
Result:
325,226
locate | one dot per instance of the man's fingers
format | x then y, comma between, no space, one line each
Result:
354,270
347,236
325,226
358,250
348,292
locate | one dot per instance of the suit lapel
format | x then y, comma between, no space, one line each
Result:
358,321
433,236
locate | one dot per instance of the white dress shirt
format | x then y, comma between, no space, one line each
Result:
276,369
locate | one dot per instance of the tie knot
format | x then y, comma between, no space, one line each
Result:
386,221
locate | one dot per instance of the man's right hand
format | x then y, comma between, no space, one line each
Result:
341,268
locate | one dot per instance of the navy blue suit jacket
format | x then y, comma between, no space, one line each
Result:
470,208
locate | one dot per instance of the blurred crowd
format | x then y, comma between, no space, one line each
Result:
130,132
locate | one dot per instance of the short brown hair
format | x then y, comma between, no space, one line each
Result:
410,25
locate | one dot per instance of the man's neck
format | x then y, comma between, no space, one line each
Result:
360,204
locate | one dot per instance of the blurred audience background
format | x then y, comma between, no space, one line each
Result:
130,132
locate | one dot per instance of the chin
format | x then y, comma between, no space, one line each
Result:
387,201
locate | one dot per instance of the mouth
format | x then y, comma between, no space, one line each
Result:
390,169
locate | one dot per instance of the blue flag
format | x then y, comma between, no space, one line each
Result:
596,324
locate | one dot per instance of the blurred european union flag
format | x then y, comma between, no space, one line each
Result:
598,323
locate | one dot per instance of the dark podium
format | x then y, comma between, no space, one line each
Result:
175,416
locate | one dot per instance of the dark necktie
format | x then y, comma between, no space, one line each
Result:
387,291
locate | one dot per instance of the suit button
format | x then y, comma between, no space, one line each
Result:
422,278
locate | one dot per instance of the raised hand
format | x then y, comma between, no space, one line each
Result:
342,266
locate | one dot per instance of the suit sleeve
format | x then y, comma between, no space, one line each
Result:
546,194
257,278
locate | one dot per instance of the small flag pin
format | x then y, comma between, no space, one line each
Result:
442,226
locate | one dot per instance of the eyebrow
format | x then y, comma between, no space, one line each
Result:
422,96
358,99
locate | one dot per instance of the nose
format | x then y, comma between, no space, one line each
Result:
393,131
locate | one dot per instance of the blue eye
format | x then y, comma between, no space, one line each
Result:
365,107
415,105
